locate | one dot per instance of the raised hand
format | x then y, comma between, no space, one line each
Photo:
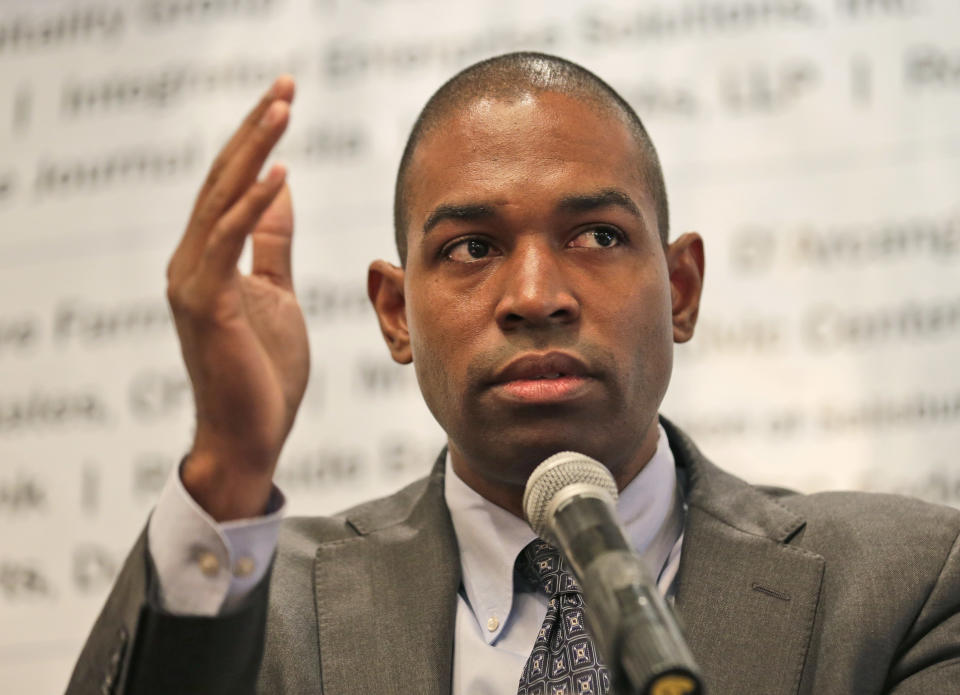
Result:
243,337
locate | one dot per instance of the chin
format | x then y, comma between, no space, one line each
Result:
514,455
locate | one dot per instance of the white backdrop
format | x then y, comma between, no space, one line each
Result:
815,145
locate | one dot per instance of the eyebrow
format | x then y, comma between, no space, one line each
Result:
600,199
584,202
468,212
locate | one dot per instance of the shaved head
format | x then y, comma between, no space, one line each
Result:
512,77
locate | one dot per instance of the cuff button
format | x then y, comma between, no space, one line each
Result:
209,564
244,566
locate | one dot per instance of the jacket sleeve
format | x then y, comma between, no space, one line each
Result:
135,647
929,660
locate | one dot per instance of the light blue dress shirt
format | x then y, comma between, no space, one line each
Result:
496,626
205,568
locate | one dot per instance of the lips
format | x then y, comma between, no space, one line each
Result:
542,378
551,365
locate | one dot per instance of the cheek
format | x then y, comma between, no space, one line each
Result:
425,340
442,331
645,332
445,324
428,364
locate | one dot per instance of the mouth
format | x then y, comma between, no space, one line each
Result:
552,377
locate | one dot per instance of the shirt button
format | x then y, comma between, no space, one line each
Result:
209,564
244,566
493,623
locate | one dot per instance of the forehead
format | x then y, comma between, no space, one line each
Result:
533,150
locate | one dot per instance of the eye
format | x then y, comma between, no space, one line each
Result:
598,238
469,250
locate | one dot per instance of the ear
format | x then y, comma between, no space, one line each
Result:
685,263
385,289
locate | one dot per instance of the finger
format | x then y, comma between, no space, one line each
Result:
272,241
223,248
242,169
257,127
283,88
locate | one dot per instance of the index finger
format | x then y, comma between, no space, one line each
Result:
245,151
283,88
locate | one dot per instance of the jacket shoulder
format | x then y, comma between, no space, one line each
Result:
871,517
872,539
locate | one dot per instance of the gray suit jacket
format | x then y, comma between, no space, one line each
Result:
833,593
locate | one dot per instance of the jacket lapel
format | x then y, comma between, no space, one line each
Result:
386,599
746,597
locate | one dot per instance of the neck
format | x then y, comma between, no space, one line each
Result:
497,486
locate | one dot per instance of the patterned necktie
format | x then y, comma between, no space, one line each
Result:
564,660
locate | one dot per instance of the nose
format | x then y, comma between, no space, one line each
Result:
536,289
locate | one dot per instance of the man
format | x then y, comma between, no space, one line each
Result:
538,300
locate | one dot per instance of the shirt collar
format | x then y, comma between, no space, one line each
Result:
490,537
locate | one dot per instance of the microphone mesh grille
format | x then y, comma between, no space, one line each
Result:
556,473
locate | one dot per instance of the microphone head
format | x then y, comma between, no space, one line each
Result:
560,477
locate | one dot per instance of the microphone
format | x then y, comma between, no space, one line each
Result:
569,501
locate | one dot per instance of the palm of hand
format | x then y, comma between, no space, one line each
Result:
253,368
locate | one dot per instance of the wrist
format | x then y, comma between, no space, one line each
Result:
224,487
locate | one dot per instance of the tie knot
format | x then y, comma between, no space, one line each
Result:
543,566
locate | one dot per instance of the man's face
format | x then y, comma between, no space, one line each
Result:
537,291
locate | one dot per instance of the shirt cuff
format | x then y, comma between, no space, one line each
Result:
205,568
